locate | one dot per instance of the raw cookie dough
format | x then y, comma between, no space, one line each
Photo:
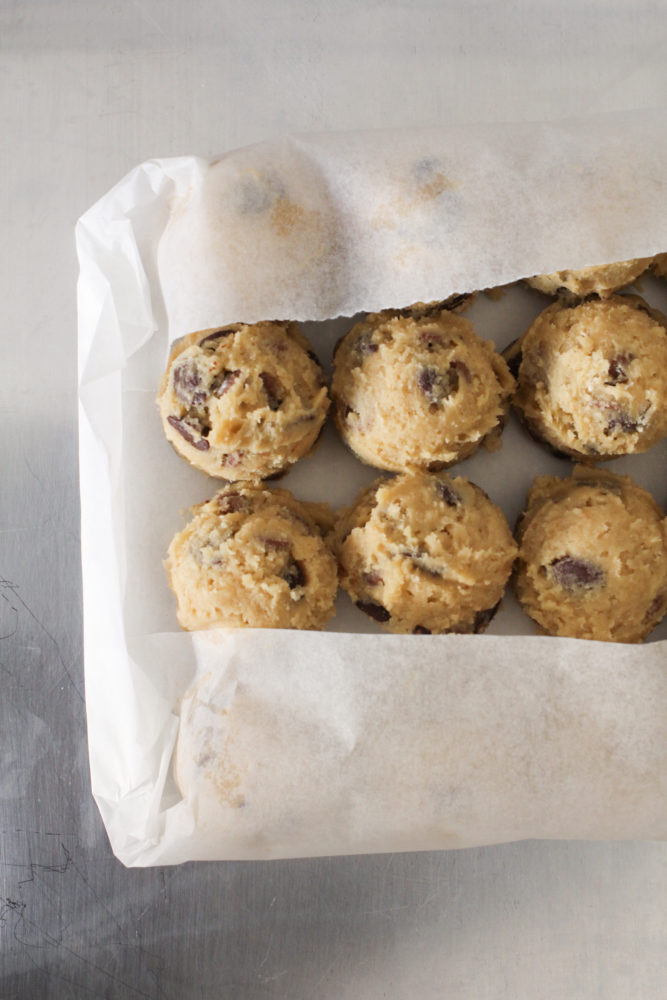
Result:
416,388
254,557
592,378
593,557
243,402
601,280
425,553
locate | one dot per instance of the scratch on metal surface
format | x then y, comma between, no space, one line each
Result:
276,975
30,469
34,867
34,939
13,588
12,609
150,20
11,906
267,952
36,942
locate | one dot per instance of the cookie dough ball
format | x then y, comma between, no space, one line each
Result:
592,378
602,280
254,557
243,402
416,388
425,553
593,557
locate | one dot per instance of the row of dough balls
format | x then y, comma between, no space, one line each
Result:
427,553
416,388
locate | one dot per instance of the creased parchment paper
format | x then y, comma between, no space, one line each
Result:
304,744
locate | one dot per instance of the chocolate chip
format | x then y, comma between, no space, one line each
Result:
618,418
188,432
274,475
437,385
275,544
601,485
448,494
513,356
373,610
306,526
618,369
364,344
514,364
655,607
421,630
211,338
320,370
430,339
461,366
455,302
304,418
645,308
273,387
223,381
372,578
568,300
573,573
186,379
294,575
482,618
428,309
624,421
230,503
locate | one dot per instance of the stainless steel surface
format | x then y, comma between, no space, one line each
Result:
88,90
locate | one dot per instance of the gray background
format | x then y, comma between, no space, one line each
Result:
87,90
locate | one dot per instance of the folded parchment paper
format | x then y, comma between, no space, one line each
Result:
306,744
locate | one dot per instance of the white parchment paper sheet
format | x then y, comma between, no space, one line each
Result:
343,743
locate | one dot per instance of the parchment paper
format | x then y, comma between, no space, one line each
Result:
307,744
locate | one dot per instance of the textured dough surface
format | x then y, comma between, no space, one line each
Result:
602,280
425,553
592,378
254,557
416,388
244,402
593,557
